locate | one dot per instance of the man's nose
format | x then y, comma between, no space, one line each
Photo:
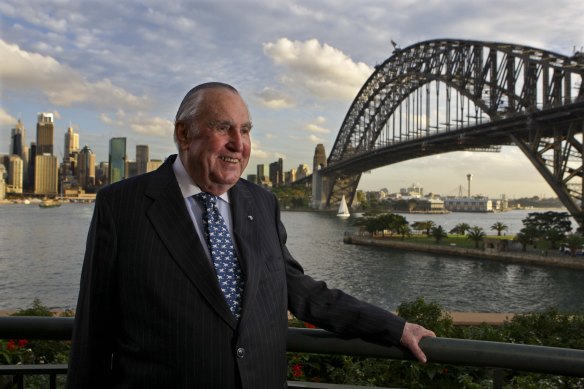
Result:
235,140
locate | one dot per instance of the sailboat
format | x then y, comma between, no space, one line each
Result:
343,209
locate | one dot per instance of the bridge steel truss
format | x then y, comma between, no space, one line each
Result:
451,95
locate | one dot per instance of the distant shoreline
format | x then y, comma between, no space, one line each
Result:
576,263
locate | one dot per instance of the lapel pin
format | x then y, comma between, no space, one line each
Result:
250,217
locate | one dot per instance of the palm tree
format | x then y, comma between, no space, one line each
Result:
476,234
438,233
460,229
498,226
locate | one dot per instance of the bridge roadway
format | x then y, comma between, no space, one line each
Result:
522,126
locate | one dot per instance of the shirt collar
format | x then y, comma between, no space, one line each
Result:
187,187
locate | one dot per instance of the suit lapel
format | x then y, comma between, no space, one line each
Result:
171,220
246,236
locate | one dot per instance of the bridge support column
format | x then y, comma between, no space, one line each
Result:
319,187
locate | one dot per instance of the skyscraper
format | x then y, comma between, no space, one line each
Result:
15,174
46,175
45,134
277,172
86,168
71,142
17,139
117,159
142,158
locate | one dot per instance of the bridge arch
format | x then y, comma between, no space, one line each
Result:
499,82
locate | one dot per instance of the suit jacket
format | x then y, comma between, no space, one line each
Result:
150,312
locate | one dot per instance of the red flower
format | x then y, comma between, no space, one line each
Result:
11,346
297,370
22,342
308,325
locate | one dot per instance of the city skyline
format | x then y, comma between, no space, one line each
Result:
123,77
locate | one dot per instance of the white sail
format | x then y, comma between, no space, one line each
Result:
343,208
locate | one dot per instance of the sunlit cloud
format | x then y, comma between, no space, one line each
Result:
63,86
6,119
271,98
322,70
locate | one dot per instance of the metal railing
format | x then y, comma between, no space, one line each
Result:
497,355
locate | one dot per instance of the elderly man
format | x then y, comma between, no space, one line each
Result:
187,281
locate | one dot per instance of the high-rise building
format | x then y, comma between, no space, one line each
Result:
86,168
71,142
261,172
153,164
17,139
15,174
45,134
302,171
142,158
117,159
46,175
277,172
18,147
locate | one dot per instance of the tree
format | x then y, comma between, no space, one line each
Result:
438,233
499,227
476,234
574,242
385,222
551,226
460,229
423,226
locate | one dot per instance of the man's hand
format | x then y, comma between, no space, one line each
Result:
411,337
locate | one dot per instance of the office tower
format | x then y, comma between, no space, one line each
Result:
2,182
71,142
142,158
261,173
153,164
45,133
302,171
46,178
18,147
15,174
86,168
17,139
277,172
117,159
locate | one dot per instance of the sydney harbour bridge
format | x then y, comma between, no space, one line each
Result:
447,95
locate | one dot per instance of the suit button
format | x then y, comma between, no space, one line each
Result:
240,352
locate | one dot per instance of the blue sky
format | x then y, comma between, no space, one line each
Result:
120,68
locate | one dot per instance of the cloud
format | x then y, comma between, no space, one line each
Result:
63,86
256,149
316,127
156,126
6,119
324,71
271,98
315,139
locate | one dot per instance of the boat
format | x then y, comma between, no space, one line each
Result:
49,203
343,209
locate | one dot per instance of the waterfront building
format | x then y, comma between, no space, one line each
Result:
18,147
101,174
142,158
2,182
465,204
117,159
15,174
430,205
153,164
414,191
46,175
86,168
45,134
261,172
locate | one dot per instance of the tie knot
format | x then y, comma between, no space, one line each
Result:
207,199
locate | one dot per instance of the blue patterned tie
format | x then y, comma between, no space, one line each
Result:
223,255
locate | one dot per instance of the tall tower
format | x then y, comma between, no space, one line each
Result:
86,168
277,172
18,147
318,182
469,177
45,133
117,159
46,175
15,174
142,158
71,142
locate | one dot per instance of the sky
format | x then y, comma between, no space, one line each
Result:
120,69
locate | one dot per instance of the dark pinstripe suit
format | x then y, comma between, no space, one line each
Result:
150,298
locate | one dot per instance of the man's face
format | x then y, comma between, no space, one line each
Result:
216,151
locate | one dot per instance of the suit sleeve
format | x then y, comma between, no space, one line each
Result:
332,309
91,352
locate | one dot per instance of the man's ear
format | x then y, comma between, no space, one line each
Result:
181,132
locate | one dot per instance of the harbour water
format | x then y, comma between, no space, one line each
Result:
41,253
